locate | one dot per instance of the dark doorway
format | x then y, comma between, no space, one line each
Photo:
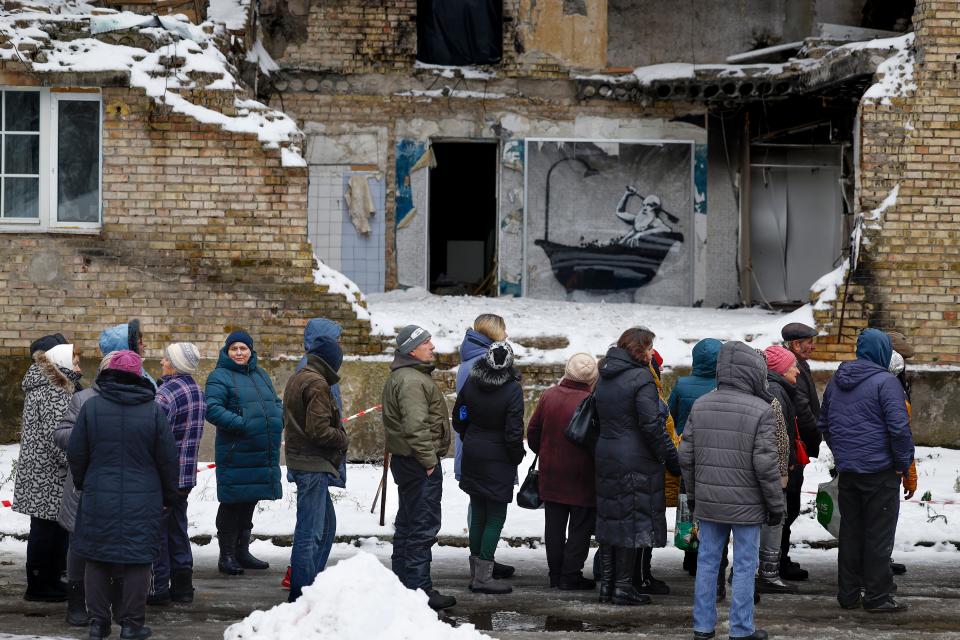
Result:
463,218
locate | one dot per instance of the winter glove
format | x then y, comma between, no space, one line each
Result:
774,518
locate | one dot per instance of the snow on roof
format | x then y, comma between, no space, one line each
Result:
355,599
232,14
828,284
897,70
170,59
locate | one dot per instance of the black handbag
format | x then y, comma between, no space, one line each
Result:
528,497
584,427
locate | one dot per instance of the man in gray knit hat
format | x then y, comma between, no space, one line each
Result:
416,423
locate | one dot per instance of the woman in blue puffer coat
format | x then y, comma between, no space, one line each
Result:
244,407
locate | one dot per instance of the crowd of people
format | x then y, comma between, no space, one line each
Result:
105,470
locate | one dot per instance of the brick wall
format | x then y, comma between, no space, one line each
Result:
203,231
909,274
380,36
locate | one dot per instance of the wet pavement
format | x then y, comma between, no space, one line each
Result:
533,611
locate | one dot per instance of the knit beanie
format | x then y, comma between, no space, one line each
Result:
581,367
779,359
105,361
61,355
126,360
47,342
499,355
185,357
239,336
411,337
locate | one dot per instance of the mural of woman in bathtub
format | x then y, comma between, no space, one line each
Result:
650,218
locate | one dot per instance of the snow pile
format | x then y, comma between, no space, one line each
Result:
589,326
175,60
897,78
889,201
452,71
356,599
336,282
828,285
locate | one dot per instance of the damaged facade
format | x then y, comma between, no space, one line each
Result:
713,155
142,180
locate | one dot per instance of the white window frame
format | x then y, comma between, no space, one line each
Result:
30,224
48,197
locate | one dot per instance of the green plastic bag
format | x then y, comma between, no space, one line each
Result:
685,532
828,507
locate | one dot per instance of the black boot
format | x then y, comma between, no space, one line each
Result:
246,560
758,634
624,593
99,629
502,571
44,585
605,553
643,579
181,585
790,570
227,564
134,631
77,605
690,562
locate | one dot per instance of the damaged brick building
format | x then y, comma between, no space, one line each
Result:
711,155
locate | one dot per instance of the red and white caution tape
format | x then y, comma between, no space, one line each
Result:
206,467
5,503
375,407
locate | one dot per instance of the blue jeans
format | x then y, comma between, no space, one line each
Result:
746,549
417,522
315,531
175,552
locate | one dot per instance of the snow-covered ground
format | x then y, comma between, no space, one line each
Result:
589,326
934,522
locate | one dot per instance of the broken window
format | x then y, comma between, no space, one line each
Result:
459,32
50,165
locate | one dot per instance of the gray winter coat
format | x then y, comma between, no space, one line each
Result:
61,437
729,448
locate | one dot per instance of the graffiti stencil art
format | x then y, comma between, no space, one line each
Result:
610,219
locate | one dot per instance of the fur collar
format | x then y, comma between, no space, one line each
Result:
54,375
489,378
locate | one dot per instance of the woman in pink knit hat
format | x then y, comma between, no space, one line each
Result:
782,372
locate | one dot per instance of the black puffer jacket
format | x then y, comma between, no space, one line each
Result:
807,404
123,458
786,393
488,415
630,455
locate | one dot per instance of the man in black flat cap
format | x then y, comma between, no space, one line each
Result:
798,338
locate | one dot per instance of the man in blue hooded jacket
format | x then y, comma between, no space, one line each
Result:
864,422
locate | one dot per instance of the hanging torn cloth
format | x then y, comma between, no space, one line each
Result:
459,32
360,203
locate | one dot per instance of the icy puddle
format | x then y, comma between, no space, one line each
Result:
515,621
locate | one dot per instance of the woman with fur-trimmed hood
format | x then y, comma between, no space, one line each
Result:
41,468
488,415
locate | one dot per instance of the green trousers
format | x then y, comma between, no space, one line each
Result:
486,523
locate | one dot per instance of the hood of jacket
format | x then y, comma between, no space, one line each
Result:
401,360
124,387
741,368
44,372
705,355
489,378
616,362
224,362
119,337
474,345
318,328
851,374
875,346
